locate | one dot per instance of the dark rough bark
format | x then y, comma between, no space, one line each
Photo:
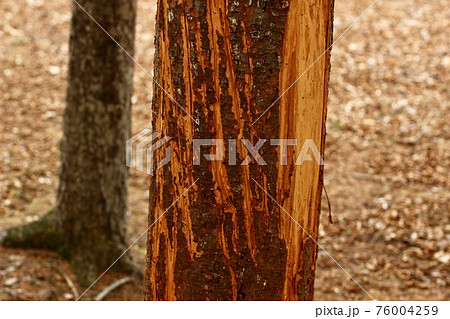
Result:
88,222
92,196
226,62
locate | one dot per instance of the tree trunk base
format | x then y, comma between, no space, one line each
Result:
43,234
39,234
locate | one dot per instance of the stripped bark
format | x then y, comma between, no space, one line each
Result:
226,62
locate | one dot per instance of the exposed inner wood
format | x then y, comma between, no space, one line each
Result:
225,63
302,116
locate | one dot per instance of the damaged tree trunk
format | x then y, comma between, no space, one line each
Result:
226,63
87,225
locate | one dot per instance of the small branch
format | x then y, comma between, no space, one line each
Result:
69,283
111,287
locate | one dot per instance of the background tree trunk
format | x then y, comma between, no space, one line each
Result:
226,62
92,196
88,224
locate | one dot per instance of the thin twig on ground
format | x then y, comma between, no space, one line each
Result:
111,287
69,282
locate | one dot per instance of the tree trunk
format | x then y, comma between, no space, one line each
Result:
226,62
88,223
92,195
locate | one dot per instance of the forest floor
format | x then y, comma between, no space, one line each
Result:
387,151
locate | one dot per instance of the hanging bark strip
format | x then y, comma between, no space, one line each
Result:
226,62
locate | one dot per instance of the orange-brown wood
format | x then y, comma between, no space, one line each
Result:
225,63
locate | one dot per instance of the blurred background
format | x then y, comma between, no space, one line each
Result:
387,152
